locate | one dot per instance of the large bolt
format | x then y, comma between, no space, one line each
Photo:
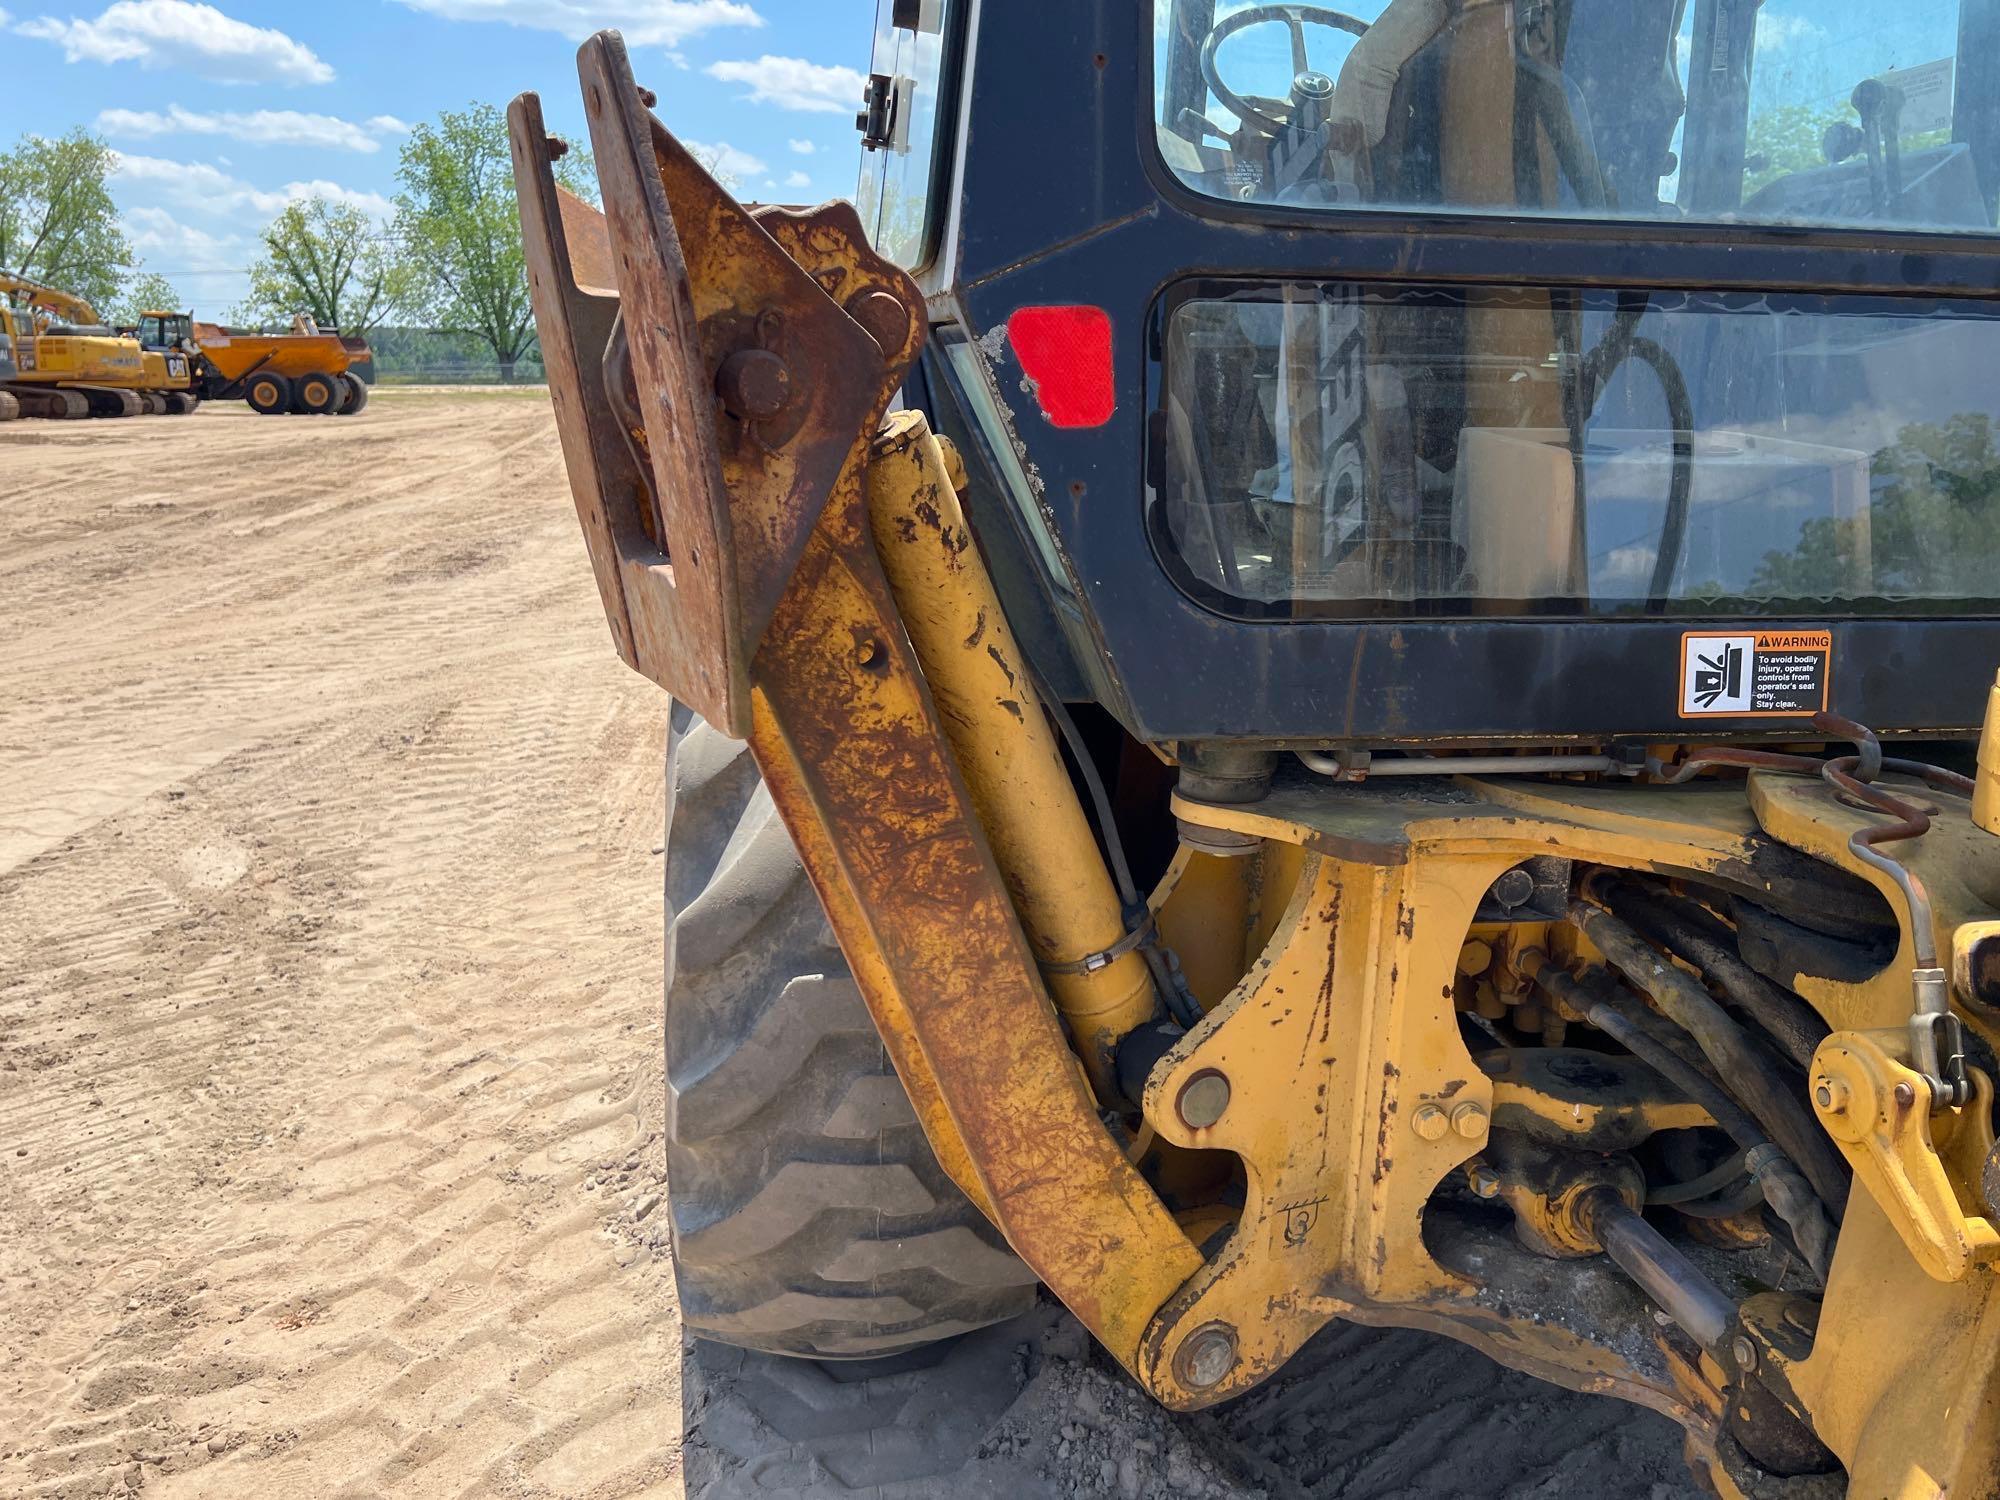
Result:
1485,1182
1514,888
1831,1094
1206,1356
1430,1122
1744,1352
1469,1120
883,316
1905,1095
754,384
1202,1099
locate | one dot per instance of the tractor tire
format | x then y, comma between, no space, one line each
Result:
316,395
156,404
355,400
809,1215
269,395
182,404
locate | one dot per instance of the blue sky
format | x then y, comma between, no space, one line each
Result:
222,109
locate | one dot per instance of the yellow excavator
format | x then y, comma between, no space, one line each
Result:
60,360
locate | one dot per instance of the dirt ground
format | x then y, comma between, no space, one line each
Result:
329,1030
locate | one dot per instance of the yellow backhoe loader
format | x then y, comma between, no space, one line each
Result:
1332,665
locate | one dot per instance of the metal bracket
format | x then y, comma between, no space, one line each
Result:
745,415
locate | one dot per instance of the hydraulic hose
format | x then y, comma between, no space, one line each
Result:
1690,932
1782,1185
1727,1046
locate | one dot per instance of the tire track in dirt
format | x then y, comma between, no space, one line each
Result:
330,935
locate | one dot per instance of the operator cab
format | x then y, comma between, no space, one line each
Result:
1555,335
162,331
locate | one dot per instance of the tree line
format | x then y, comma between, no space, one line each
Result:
446,267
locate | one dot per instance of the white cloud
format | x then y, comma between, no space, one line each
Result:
388,125
794,83
804,148
646,23
1777,31
183,34
797,179
164,237
263,127
199,190
724,160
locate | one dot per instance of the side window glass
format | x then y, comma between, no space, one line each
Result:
904,137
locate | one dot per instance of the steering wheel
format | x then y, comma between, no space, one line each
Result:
1295,19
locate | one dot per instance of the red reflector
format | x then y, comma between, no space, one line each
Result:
1066,353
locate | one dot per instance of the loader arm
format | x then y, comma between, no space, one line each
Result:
767,610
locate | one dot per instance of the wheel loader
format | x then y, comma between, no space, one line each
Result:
1334,664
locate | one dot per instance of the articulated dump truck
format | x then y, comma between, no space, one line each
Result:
1334,666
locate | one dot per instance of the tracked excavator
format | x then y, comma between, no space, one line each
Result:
60,360
1333,664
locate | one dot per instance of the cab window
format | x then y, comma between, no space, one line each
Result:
904,129
1795,112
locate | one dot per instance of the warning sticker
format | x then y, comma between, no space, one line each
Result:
1755,674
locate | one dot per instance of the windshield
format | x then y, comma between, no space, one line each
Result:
1833,112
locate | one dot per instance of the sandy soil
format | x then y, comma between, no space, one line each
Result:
329,1080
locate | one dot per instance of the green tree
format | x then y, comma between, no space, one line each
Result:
1929,531
1787,139
328,260
148,292
58,224
460,228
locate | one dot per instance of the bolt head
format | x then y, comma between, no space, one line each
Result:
754,384
1485,1182
882,316
1469,1120
1905,1095
1202,1099
1744,1352
1831,1095
1430,1122
1206,1356
1514,888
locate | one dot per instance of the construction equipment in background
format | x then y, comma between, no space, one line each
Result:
61,362
1309,736
308,372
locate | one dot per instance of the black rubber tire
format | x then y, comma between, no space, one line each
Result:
269,395
809,1215
317,394
354,396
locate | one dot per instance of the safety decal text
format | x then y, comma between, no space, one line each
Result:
1755,674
